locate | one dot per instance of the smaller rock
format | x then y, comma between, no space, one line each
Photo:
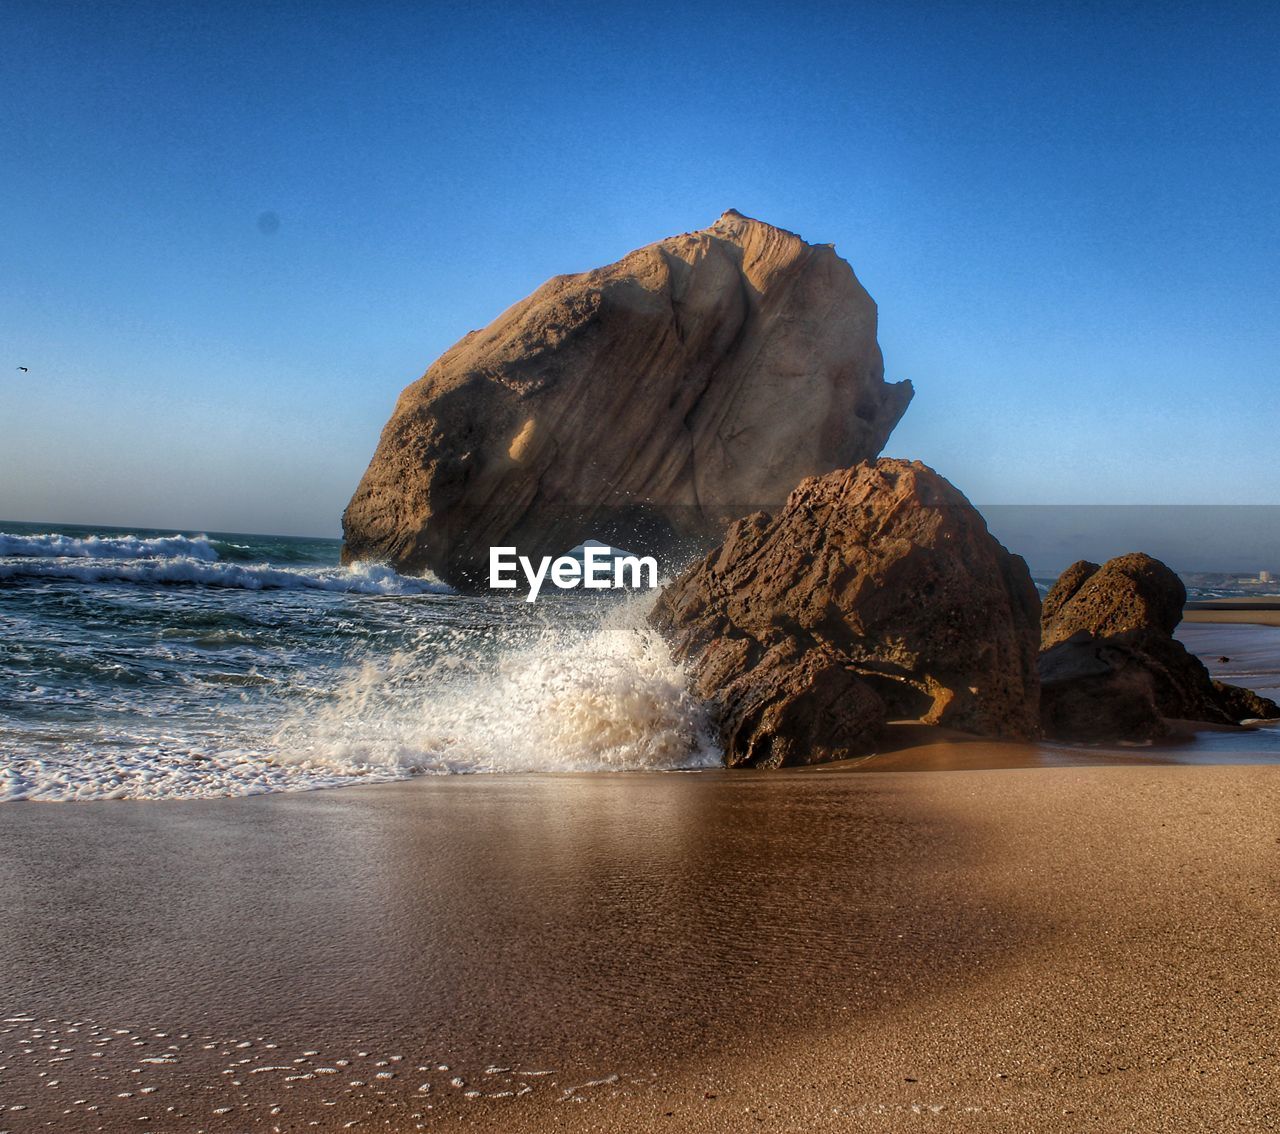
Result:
1244,704
876,592
1130,592
1110,668
1093,691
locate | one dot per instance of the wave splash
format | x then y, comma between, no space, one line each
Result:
606,696
471,687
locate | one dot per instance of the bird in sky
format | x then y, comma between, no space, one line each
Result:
24,369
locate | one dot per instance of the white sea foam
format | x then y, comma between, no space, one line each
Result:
359,578
602,697
153,772
55,545
600,694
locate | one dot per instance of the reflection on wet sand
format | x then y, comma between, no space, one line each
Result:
792,950
269,952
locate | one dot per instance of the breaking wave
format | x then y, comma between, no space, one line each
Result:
605,696
359,578
159,665
55,545
594,691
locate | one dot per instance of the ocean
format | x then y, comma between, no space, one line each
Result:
148,664
153,664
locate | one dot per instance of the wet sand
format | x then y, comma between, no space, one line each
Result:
1021,948
1253,611
1051,948
1252,653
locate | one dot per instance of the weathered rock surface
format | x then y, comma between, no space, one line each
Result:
789,706
1069,582
1111,668
1244,704
1093,690
1131,592
877,592
691,382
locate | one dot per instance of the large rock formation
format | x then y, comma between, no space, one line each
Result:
1111,668
693,381
877,592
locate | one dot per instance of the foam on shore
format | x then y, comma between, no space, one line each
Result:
566,694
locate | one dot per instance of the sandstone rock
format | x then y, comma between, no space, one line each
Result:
1069,582
1244,704
790,706
1092,690
1130,592
1183,687
691,382
876,592
1111,668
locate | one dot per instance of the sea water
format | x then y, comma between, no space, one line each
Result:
156,664
142,664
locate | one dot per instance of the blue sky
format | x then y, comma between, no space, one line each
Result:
1066,212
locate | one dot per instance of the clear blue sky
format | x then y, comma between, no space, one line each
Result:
1069,215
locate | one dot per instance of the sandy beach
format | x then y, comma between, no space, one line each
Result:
1254,611
1011,948
1023,937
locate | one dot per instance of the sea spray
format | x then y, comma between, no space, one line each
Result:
567,694
159,665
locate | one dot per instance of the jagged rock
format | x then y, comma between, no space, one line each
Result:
1111,668
652,400
1244,704
1093,690
790,707
876,592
